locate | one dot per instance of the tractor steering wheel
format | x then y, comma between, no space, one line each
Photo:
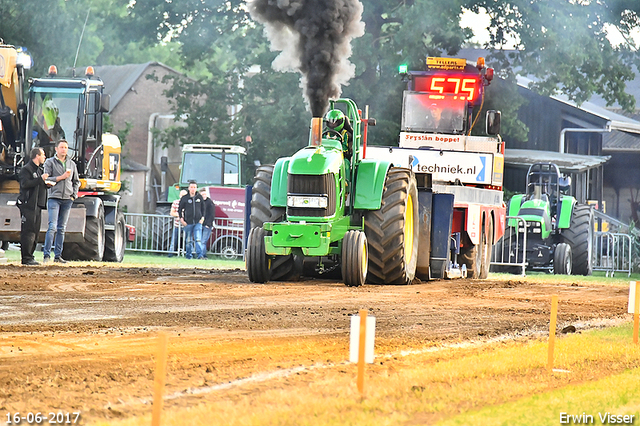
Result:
332,132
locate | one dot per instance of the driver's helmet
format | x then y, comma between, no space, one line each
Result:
335,120
49,111
565,183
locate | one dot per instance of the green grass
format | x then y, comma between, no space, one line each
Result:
504,383
137,259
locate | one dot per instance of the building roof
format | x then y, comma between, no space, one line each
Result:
129,165
119,79
567,163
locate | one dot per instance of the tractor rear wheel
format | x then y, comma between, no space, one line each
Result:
392,231
354,258
257,259
562,259
487,244
282,268
477,257
115,241
579,236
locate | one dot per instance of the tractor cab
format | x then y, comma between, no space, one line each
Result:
546,183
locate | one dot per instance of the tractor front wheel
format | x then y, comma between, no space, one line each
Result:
257,259
92,248
354,258
392,231
562,261
282,268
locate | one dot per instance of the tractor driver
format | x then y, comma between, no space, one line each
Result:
47,122
337,121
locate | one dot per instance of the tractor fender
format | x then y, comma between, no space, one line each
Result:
91,204
110,202
369,184
514,208
565,210
279,182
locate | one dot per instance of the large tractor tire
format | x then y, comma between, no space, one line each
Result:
477,257
354,258
92,248
579,236
486,246
161,229
257,260
115,241
282,268
562,259
392,231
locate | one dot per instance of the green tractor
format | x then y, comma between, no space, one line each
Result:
328,205
559,231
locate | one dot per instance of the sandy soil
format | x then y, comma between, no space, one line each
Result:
83,339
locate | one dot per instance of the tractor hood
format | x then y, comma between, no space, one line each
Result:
535,210
317,160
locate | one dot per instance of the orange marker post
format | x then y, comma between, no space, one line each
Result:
161,372
552,331
363,333
636,314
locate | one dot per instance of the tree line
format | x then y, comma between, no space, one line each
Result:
227,60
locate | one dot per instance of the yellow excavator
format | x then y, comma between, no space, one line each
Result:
71,108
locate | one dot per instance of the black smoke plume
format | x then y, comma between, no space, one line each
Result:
315,39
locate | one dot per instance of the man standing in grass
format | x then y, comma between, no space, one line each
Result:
63,175
191,213
209,216
177,226
32,199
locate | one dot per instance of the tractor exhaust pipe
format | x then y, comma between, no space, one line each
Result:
315,139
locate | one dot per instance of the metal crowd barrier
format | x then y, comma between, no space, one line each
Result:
612,253
510,250
154,233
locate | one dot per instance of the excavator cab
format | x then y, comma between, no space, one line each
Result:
71,109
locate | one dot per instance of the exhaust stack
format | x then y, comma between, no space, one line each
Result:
315,138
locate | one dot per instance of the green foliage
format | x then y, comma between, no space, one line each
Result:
564,45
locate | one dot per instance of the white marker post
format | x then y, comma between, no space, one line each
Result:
363,329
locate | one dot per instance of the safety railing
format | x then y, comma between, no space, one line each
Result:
154,234
510,250
612,253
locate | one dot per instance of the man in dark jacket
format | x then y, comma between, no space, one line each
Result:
31,201
191,213
209,216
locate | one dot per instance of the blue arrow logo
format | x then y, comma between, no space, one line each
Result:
480,176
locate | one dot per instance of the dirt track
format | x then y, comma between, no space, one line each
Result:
82,338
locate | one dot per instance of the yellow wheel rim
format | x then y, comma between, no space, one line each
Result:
408,229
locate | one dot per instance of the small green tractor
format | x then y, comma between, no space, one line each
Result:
559,231
329,205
